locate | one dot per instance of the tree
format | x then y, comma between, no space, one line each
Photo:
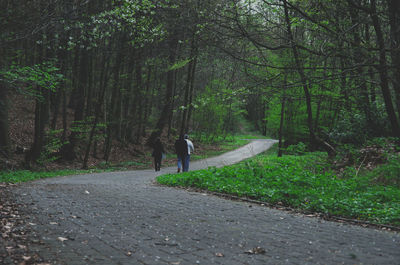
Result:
4,126
383,71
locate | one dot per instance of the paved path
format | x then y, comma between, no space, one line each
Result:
123,218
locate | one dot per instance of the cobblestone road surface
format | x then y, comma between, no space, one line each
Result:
124,218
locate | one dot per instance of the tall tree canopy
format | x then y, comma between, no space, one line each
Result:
100,72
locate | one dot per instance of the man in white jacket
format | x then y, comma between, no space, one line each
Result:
190,150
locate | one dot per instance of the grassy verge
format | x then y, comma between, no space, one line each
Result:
26,175
301,182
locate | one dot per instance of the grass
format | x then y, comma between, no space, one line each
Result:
302,182
17,176
26,175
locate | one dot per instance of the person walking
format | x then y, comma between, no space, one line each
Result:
181,151
190,149
158,150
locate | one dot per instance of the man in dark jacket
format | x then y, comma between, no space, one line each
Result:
158,150
181,149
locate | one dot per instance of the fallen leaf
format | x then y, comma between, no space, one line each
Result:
128,253
62,239
26,258
22,246
87,192
53,223
219,254
256,250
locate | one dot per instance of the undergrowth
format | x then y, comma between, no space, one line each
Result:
302,182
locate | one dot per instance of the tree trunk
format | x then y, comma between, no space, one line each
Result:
280,145
90,88
148,102
75,94
167,109
187,93
372,89
300,69
62,55
4,125
191,94
394,21
112,106
68,151
139,93
97,112
41,119
174,93
383,73
358,58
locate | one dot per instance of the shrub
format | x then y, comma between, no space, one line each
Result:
297,149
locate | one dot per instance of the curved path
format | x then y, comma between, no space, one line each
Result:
123,218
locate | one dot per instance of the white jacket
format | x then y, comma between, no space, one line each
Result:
190,146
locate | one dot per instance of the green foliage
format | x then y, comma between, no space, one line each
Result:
217,110
388,173
26,79
133,17
50,151
354,128
83,128
297,149
351,128
179,64
303,182
26,175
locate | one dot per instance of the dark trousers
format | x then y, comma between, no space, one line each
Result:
181,162
157,162
186,164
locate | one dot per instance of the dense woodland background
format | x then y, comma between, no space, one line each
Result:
93,75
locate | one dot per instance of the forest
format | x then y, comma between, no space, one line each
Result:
94,75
